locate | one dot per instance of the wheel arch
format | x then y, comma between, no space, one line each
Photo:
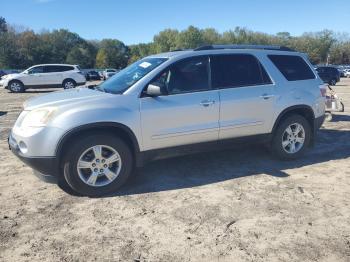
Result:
15,80
68,78
116,129
304,110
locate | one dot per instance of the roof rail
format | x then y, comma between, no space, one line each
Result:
263,47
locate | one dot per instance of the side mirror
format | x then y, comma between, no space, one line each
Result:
155,90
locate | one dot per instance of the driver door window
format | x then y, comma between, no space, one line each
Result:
189,75
36,70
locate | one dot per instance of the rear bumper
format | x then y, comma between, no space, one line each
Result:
46,168
81,83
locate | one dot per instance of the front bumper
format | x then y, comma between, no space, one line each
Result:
46,168
3,83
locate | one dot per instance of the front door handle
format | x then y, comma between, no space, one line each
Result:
207,103
266,96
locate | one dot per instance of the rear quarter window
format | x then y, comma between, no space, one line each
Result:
293,68
66,68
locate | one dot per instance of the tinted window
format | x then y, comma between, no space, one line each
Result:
57,68
66,68
292,67
36,70
52,69
237,70
188,75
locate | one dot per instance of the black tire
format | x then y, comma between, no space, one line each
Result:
276,145
333,82
16,86
76,150
69,84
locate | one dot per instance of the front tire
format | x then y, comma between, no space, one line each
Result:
98,165
16,86
68,84
291,137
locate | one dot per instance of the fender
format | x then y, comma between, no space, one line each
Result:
305,108
99,125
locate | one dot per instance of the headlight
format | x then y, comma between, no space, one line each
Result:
38,117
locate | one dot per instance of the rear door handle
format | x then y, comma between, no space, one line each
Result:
207,103
266,96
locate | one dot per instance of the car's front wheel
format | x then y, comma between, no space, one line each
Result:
291,137
16,86
98,164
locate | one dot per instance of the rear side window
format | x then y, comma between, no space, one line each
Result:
237,70
292,67
66,68
57,68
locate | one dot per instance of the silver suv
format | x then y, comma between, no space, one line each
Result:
92,138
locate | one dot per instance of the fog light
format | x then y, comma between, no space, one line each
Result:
23,147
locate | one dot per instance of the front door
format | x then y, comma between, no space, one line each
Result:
188,114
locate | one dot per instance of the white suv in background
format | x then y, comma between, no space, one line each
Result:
109,73
43,76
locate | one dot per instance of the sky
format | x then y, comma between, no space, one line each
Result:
136,21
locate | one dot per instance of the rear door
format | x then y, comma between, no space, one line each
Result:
247,95
53,74
188,114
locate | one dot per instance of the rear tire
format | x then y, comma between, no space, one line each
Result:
288,142
98,178
16,86
333,82
69,84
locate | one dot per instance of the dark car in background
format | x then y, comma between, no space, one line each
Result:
92,75
329,74
2,73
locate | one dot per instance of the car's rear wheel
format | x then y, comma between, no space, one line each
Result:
68,84
98,164
291,137
16,86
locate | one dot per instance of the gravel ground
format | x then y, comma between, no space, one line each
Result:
234,205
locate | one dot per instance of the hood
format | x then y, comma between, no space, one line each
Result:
10,76
59,98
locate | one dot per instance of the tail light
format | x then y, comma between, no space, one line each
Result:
323,90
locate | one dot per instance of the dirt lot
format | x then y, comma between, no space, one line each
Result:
237,205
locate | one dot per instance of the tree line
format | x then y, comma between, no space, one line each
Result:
21,48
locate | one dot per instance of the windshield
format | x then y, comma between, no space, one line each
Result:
125,78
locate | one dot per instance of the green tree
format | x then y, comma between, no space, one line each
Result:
139,51
189,38
3,25
101,59
166,40
81,56
112,53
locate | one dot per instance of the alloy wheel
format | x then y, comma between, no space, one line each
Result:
99,165
293,138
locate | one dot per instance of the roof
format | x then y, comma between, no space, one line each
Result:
217,49
54,65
